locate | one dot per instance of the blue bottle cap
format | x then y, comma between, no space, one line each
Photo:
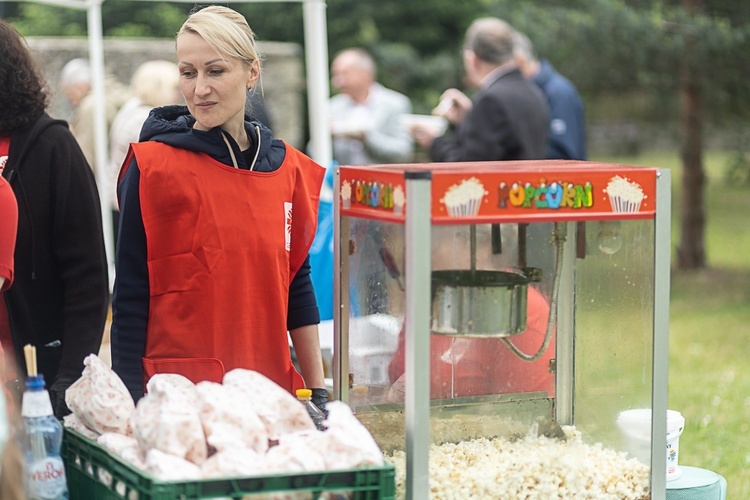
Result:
35,382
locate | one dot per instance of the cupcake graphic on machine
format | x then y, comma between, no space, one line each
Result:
624,195
465,198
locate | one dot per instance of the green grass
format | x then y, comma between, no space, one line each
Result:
709,381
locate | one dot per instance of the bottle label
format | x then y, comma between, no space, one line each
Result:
47,478
36,404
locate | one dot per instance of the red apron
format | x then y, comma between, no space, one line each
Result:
223,247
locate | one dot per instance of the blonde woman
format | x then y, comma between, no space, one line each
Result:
217,219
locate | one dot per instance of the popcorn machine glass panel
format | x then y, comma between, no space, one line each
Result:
376,305
481,371
540,317
614,331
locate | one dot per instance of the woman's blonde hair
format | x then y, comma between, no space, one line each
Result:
226,31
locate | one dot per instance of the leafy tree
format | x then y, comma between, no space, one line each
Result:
633,55
671,52
45,20
691,252
122,18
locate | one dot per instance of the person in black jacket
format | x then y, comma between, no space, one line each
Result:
507,118
60,294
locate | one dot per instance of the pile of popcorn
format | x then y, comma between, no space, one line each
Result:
245,426
534,467
389,430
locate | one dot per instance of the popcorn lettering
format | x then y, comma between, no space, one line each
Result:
369,194
553,196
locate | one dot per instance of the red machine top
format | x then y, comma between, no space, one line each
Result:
487,192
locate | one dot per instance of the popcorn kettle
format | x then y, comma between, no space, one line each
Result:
489,303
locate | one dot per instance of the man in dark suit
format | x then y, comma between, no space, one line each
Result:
507,118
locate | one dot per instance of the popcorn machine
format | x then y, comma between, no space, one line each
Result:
504,300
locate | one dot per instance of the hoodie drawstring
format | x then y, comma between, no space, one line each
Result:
257,150
231,150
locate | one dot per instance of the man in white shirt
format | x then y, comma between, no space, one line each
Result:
367,128
366,118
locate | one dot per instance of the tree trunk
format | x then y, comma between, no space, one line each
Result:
691,252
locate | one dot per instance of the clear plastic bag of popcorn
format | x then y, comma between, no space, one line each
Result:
281,412
229,418
124,446
73,422
297,452
167,420
348,443
233,462
100,399
116,443
174,382
166,467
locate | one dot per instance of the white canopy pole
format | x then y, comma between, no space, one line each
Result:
316,52
101,166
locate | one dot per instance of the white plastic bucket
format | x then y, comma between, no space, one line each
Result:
635,426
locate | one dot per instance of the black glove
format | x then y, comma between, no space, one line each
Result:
57,398
320,399
59,408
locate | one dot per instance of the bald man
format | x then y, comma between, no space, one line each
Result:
365,116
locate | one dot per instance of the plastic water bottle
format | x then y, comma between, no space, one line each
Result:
316,414
45,471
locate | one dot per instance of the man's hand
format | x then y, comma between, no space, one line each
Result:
454,105
424,136
354,135
347,130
